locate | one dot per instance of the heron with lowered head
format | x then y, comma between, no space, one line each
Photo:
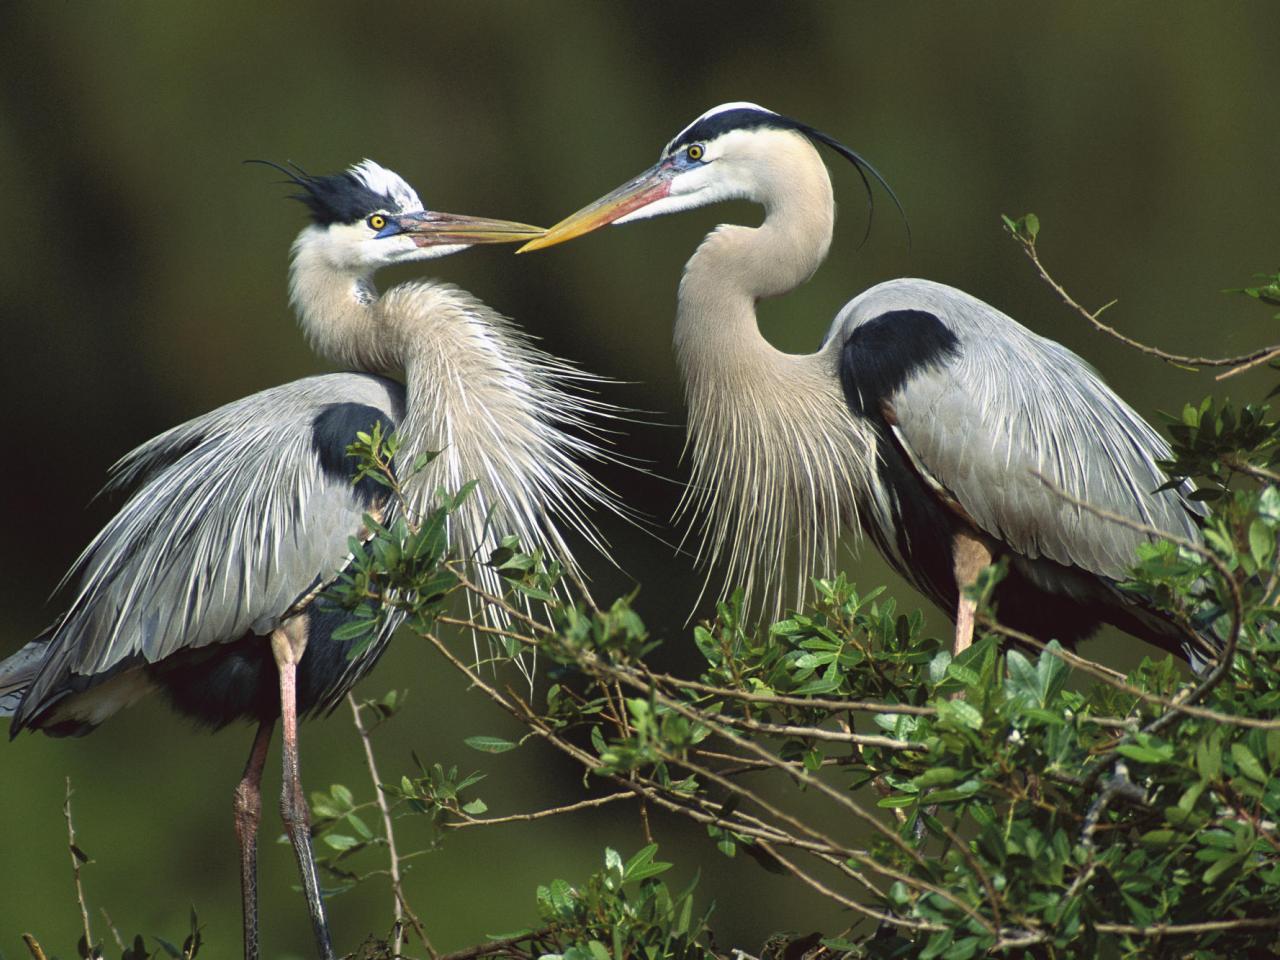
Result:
928,418
201,586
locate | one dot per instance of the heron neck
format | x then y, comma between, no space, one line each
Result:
735,267
774,450
339,312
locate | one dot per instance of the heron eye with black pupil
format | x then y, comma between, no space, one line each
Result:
377,221
694,152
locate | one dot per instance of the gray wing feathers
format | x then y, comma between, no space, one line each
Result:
18,670
236,519
1011,404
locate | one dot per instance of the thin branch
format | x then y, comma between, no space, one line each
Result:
979,871
653,792
76,853
1255,361
836,706
1109,677
1239,363
401,904
540,814
496,946
115,934
33,947
854,905
819,733
456,569
1186,929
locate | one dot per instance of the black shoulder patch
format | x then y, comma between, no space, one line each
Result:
882,354
334,429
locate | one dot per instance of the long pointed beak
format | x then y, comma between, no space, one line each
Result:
653,184
431,228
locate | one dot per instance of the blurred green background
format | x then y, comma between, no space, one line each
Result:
142,281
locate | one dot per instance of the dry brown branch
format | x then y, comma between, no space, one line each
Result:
115,934
819,733
1189,929
400,904
854,905
496,946
76,856
1118,681
33,947
470,821
828,849
814,783
1238,363
835,706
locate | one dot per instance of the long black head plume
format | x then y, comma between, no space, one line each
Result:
339,198
751,117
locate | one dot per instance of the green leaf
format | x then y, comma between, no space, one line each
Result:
489,744
1262,542
1247,762
475,807
1221,866
341,794
961,713
353,629
937,776
340,841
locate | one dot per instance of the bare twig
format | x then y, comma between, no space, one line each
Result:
839,898
497,946
400,904
1187,929
540,814
1238,363
819,733
836,706
33,947
115,934
822,846
1117,680
76,855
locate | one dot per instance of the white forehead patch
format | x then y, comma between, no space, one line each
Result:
388,183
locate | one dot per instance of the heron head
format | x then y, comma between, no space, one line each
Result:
368,217
733,151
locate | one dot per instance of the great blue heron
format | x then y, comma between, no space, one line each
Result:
197,587
925,417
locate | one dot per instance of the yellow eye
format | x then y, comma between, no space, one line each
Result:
694,152
377,221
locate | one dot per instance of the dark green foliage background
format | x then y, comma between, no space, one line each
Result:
142,282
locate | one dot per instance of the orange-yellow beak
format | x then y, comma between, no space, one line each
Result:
653,184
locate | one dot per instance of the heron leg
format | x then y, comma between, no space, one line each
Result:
969,556
287,645
248,809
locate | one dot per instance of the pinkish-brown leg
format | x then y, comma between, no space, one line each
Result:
287,645
248,808
970,554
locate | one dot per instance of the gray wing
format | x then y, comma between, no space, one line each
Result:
980,404
239,513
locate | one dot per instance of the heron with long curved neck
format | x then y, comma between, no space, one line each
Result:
200,586
927,418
